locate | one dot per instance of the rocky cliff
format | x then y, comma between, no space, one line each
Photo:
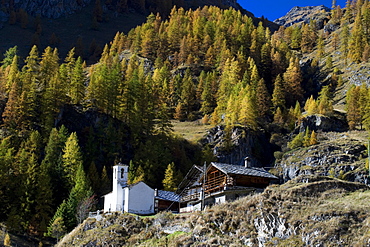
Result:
239,143
339,155
304,14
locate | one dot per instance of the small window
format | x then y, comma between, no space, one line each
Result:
122,172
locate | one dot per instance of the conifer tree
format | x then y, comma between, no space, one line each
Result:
278,95
353,108
76,88
279,117
169,181
228,80
325,104
309,36
188,93
248,109
11,112
9,56
72,158
344,41
263,101
320,45
13,75
306,138
57,228
313,138
43,200
105,184
311,106
293,80
357,41
7,241
93,176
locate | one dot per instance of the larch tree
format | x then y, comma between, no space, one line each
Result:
9,56
169,181
357,41
77,88
263,101
353,108
325,104
293,79
72,158
278,94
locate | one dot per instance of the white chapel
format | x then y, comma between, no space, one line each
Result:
135,198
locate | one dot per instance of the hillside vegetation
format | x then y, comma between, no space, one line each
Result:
65,124
307,212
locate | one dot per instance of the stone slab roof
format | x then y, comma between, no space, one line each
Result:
242,170
168,196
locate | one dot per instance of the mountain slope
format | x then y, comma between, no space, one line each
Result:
316,212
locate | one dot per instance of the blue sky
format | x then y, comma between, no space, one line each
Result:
273,9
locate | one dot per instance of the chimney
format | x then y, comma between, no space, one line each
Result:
247,162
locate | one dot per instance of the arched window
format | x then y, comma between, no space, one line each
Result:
122,172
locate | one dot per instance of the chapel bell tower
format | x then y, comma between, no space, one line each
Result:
120,175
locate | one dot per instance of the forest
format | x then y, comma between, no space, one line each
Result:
209,64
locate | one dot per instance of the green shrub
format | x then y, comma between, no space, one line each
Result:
297,141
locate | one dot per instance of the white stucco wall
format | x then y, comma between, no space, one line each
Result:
140,199
220,199
108,200
137,198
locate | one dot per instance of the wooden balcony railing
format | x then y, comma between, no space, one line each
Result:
190,197
214,184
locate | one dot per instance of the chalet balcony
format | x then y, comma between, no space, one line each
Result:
218,183
191,197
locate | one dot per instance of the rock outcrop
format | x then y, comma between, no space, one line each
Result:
342,157
318,122
304,15
242,142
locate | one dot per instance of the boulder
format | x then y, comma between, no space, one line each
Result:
323,123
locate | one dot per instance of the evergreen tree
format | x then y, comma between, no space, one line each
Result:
279,117
353,108
188,93
93,176
169,181
207,98
9,56
76,88
263,101
357,41
344,41
325,105
72,158
105,183
278,95
7,241
313,138
293,80
248,110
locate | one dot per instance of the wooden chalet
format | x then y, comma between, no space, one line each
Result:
166,201
222,182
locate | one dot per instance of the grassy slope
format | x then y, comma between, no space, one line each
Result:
326,211
191,131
